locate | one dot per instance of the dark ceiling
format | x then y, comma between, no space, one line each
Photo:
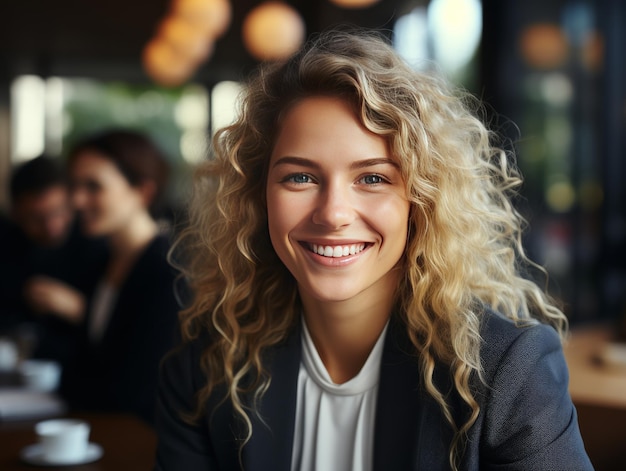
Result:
104,38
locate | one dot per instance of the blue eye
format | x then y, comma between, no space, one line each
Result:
299,178
372,179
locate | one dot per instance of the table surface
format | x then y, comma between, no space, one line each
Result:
591,382
129,444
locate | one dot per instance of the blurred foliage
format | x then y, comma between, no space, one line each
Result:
91,106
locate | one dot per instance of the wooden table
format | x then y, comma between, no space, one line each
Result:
128,443
599,393
591,382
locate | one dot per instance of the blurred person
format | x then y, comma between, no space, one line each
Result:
118,177
40,205
359,291
44,261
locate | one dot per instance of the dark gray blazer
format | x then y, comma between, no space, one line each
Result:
527,420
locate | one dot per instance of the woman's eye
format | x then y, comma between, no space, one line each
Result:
298,178
372,179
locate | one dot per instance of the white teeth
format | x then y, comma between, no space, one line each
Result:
337,250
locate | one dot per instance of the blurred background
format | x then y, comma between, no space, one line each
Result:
551,71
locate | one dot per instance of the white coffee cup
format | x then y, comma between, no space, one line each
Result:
40,375
8,354
63,440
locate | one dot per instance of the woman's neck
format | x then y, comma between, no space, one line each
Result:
345,333
134,236
126,245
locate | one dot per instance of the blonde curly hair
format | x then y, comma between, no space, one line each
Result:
464,249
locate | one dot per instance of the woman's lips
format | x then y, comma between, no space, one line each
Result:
336,251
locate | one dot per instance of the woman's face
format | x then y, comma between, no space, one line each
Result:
105,200
337,205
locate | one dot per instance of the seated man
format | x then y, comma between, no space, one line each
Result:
42,253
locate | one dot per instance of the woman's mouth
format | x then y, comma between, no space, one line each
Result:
336,251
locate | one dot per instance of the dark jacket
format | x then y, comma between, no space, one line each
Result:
72,262
527,420
120,372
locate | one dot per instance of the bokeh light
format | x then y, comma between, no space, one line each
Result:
164,65
544,46
213,17
273,31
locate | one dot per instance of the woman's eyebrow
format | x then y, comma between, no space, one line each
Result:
296,161
358,164
372,162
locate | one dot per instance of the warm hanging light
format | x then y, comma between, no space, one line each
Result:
273,31
164,65
212,16
187,39
354,3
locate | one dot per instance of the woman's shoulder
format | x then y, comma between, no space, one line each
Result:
504,339
154,262
527,416
182,363
496,327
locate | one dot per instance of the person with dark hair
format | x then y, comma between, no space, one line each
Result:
117,177
45,262
39,201
359,299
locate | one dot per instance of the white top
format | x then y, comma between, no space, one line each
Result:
104,299
335,422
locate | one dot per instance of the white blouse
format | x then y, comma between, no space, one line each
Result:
335,422
104,299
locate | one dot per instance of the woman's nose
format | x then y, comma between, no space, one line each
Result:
335,207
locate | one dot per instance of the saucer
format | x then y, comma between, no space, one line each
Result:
33,454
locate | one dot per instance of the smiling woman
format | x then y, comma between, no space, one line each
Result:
129,322
357,302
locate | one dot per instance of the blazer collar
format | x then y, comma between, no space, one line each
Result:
270,446
410,430
398,415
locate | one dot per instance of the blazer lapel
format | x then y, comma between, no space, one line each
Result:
398,408
270,446
411,432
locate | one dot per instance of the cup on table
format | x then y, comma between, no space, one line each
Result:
8,354
40,375
63,440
